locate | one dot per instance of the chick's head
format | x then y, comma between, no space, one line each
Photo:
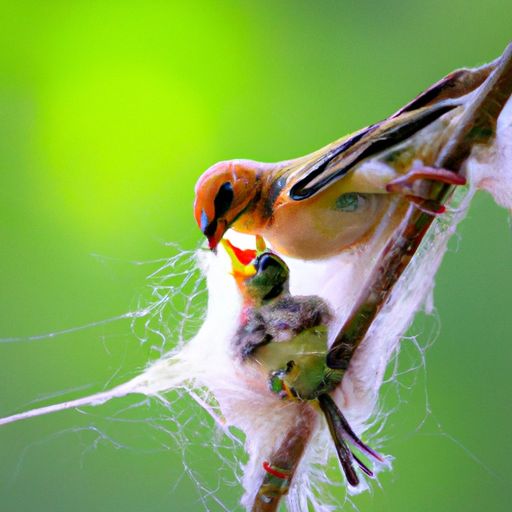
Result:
261,275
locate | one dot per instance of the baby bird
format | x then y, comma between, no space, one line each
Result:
286,337
269,312
323,203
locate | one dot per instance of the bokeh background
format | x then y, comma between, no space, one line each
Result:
109,111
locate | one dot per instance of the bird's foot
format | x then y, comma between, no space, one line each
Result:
278,382
416,188
342,433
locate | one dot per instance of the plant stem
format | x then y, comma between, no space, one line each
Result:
285,460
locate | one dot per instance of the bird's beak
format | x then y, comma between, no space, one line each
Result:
261,246
214,233
213,230
241,259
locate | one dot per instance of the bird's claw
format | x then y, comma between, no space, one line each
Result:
415,187
427,205
342,433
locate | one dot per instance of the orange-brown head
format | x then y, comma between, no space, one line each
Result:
223,193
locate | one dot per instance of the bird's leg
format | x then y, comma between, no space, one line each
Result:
344,454
416,188
341,432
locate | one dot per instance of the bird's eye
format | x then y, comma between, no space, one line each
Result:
349,202
223,199
264,261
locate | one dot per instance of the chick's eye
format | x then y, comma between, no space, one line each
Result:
349,202
223,199
264,261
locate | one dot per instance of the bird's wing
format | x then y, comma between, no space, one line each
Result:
331,165
456,84
317,174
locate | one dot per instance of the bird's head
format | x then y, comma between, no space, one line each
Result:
260,274
223,193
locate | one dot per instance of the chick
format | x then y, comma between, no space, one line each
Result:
285,337
323,203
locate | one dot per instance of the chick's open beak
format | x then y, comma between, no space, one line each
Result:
242,260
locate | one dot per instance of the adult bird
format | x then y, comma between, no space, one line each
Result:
321,204
285,338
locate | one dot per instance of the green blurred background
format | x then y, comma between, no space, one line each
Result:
109,111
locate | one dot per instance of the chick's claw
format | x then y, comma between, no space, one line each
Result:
342,434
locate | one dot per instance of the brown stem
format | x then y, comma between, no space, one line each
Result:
285,461
477,126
